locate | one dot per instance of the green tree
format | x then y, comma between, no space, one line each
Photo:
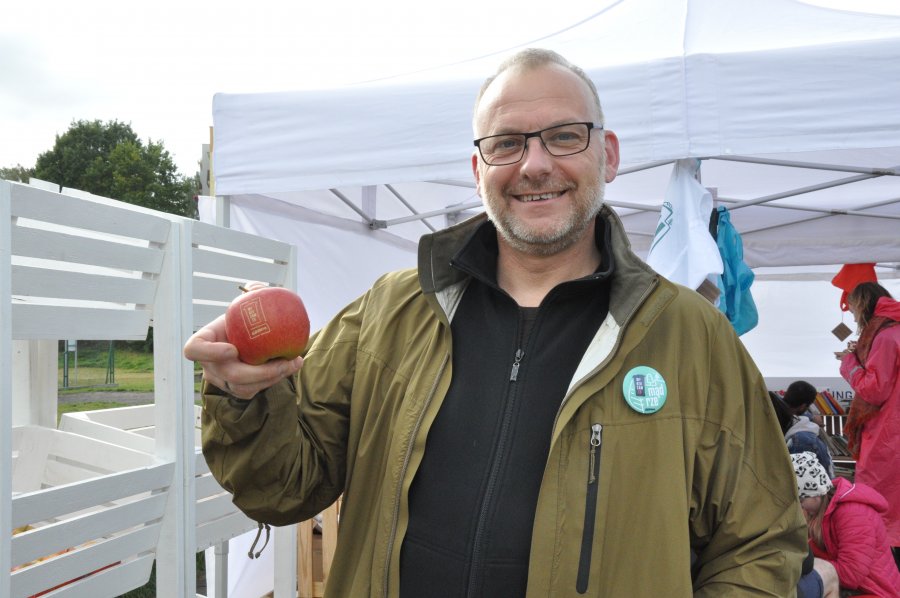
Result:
16,173
109,159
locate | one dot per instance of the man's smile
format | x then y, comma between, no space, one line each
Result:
538,196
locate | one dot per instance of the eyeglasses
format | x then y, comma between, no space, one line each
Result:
561,140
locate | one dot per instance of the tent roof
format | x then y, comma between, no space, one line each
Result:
718,80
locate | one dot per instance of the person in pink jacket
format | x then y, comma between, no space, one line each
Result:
872,367
846,528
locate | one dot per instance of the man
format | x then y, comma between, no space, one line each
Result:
531,412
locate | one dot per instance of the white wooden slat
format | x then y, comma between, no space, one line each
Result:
215,289
55,245
52,538
46,282
39,322
203,314
200,466
238,241
68,566
208,486
46,206
126,418
213,532
214,508
106,433
32,449
97,456
50,503
174,430
7,458
114,581
241,268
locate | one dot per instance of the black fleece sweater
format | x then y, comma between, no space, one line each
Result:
473,499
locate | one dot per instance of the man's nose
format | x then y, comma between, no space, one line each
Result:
536,157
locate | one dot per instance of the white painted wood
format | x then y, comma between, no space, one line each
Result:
91,268
106,433
34,382
210,533
174,415
77,249
53,503
221,559
285,561
208,486
228,239
214,507
6,402
215,289
57,536
119,219
111,582
86,559
126,418
204,313
238,267
62,322
45,282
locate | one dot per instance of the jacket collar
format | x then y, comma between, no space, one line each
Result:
632,279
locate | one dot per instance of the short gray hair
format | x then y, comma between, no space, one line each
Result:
532,58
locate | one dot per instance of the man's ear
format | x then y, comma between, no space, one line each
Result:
476,172
611,148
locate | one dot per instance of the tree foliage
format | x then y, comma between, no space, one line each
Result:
109,159
16,173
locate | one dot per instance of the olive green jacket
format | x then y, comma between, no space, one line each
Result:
707,473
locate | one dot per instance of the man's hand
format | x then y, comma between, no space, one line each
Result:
221,366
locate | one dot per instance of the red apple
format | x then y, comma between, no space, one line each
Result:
267,323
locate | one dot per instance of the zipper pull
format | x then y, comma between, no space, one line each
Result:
515,368
595,442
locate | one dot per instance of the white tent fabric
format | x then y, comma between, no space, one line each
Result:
763,92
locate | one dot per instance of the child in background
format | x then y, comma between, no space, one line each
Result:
800,434
845,528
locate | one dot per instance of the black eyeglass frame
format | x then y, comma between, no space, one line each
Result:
590,125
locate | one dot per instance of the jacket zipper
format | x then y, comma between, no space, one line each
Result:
477,545
515,366
395,516
590,510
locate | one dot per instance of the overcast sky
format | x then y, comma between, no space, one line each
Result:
156,65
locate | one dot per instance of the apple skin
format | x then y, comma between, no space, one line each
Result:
267,323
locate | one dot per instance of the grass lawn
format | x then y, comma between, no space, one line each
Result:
90,372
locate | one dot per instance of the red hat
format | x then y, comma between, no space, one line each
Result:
851,275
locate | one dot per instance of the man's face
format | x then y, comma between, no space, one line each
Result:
542,204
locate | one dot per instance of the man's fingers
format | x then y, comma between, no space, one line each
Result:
245,381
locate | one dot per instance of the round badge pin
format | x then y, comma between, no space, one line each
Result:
644,389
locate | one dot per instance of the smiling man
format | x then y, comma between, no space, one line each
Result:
532,411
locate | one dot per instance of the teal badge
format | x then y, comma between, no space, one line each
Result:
644,389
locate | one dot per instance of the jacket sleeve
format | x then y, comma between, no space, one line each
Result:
873,383
282,454
853,524
746,523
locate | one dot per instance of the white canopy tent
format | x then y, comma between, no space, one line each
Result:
794,111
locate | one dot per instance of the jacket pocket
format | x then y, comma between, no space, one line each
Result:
590,509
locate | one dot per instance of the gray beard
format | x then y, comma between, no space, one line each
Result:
546,243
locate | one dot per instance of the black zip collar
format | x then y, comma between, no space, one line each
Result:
478,256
